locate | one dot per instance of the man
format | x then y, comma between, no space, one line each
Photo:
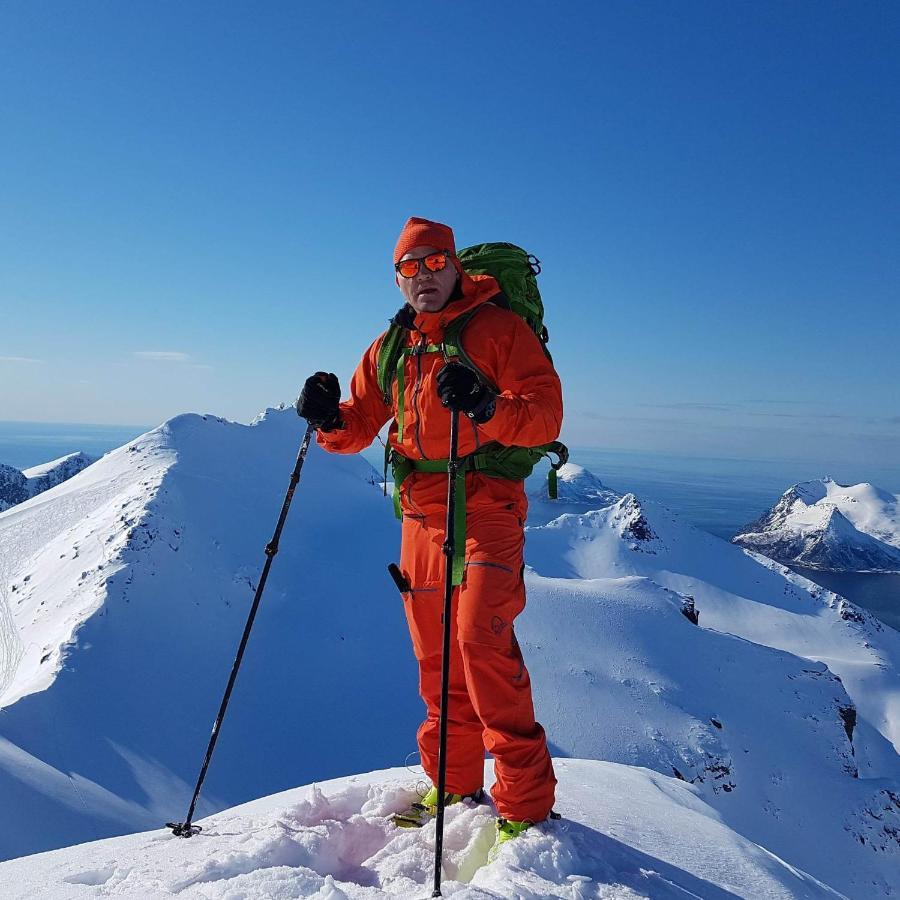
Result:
490,705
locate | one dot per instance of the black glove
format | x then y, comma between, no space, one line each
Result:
318,401
460,388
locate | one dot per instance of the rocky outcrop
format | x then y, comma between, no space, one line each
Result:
13,487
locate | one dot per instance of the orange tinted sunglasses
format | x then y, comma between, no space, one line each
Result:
434,262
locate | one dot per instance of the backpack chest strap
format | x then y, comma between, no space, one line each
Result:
396,349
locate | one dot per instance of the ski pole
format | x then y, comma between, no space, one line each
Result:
449,549
185,828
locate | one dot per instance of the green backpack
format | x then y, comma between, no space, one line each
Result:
515,271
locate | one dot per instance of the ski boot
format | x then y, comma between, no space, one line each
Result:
420,813
506,831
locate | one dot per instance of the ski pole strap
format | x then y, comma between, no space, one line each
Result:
459,529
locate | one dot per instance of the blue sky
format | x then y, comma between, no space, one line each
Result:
199,201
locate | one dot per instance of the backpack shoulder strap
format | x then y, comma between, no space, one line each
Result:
453,346
389,354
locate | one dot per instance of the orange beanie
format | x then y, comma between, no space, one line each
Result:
424,233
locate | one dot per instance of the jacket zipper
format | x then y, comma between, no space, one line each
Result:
418,354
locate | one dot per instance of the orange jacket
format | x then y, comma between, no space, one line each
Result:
528,407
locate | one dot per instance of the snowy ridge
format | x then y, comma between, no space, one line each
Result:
17,487
825,525
49,474
737,591
65,553
651,680
129,586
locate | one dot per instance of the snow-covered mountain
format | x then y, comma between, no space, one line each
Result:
123,593
16,486
627,581
824,525
578,490
693,669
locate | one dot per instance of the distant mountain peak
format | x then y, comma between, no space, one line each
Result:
578,491
18,486
633,524
578,483
826,525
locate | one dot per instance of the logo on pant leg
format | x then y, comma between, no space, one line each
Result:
497,625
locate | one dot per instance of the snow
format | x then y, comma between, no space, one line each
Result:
69,538
129,586
648,836
736,591
578,490
825,525
16,486
738,753
67,465
622,674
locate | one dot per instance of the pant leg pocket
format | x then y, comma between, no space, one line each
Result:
491,596
423,605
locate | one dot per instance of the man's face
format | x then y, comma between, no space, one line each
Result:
428,291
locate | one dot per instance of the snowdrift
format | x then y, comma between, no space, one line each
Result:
627,833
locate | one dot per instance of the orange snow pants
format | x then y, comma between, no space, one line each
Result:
490,706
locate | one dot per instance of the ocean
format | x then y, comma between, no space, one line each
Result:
878,593
717,495
26,444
